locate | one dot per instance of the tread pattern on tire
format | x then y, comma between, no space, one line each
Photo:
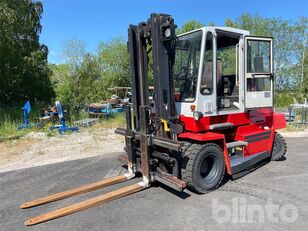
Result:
284,148
187,168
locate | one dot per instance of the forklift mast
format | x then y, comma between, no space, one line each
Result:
149,135
157,35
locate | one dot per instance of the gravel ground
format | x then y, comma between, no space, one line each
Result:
303,133
37,149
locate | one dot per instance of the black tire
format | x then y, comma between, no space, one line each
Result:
203,167
279,147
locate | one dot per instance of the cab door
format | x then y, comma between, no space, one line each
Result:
258,72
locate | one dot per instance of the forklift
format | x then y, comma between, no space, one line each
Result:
211,115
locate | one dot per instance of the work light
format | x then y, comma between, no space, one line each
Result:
197,115
167,33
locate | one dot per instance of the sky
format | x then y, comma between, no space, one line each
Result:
94,21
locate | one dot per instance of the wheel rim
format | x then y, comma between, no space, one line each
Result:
208,168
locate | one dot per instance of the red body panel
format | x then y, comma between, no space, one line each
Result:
204,123
258,138
201,136
257,127
279,121
262,117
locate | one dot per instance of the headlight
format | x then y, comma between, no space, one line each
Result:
167,32
197,115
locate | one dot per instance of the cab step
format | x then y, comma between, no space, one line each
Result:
239,163
236,143
221,126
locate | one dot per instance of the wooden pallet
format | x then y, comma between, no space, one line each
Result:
86,122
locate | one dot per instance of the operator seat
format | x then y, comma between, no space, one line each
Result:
207,77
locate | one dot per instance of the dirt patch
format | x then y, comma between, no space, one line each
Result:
286,133
38,149
10,150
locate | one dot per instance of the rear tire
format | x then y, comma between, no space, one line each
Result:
203,167
279,147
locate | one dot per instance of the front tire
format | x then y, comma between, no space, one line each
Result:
279,147
203,167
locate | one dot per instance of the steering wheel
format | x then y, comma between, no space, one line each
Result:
183,74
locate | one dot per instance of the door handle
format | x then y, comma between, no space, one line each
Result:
254,75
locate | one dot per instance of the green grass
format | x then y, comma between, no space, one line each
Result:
295,127
9,121
8,130
115,121
11,118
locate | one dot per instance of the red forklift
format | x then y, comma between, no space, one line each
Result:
211,115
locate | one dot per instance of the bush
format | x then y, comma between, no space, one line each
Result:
283,99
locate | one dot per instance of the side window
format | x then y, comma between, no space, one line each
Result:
207,74
258,57
258,84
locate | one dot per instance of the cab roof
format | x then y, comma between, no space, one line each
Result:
221,28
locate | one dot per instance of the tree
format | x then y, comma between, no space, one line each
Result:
189,26
23,60
86,77
115,63
305,73
61,81
73,51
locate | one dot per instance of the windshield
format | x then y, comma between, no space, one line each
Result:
187,61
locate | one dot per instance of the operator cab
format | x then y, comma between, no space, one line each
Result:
222,70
